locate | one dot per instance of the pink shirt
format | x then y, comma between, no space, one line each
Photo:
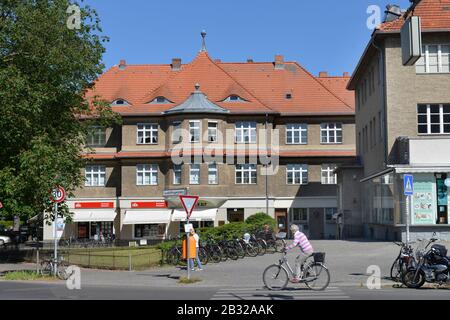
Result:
302,241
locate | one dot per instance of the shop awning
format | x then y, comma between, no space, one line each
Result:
437,169
93,215
147,216
197,215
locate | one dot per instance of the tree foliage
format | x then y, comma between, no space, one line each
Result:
45,69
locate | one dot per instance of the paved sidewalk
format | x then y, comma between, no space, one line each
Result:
346,260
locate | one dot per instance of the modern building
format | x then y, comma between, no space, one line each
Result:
403,126
214,114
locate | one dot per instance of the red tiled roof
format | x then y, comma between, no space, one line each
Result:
435,14
262,86
338,85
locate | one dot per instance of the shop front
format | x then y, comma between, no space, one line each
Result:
93,220
384,203
145,220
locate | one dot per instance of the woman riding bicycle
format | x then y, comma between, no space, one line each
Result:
306,249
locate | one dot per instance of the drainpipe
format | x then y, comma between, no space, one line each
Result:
267,191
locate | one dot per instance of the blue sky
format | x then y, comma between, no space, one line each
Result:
322,35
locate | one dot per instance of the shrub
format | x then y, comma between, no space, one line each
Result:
260,219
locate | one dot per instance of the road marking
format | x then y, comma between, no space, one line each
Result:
264,294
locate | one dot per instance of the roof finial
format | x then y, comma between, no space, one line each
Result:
203,34
197,87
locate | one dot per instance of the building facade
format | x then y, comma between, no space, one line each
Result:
201,128
403,126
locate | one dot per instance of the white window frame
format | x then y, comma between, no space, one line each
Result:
330,178
194,167
212,131
150,170
245,132
298,172
328,132
429,114
177,169
196,128
424,61
247,172
148,130
96,136
97,173
301,129
213,172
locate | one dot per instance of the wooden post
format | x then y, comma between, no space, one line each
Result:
37,261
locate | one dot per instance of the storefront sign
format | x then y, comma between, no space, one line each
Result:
93,205
424,200
149,204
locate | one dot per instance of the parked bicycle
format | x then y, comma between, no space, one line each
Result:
315,274
47,267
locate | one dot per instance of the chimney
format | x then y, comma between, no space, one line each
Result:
323,74
122,64
176,64
346,74
279,62
249,60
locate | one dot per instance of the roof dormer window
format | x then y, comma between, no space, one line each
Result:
120,102
234,98
160,100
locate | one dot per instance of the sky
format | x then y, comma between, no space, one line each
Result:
322,35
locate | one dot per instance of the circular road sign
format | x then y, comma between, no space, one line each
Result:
58,194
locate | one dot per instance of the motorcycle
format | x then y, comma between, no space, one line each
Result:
433,266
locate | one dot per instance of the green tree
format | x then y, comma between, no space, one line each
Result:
46,65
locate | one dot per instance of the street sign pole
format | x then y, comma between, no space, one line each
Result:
188,203
408,215
55,214
187,253
408,191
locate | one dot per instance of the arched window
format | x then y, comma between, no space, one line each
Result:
120,102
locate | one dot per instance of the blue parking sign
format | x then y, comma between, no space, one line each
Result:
408,184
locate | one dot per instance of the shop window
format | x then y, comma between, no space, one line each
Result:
330,214
149,230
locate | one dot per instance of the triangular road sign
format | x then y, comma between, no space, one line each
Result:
189,203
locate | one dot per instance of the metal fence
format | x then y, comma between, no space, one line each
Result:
96,258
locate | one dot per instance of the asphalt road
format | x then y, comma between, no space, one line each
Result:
10,290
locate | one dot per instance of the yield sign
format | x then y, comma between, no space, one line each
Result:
189,203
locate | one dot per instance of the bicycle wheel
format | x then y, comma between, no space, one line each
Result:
316,276
172,257
262,248
280,244
275,277
216,254
251,250
62,273
396,270
203,256
46,268
232,253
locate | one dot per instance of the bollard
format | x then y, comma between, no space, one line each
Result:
37,261
129,261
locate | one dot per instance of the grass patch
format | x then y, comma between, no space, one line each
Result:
185,280
114,258
26,275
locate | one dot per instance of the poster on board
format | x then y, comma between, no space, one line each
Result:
424,200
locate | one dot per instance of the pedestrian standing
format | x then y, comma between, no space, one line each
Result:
191,261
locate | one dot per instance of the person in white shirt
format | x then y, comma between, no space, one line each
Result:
191,262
